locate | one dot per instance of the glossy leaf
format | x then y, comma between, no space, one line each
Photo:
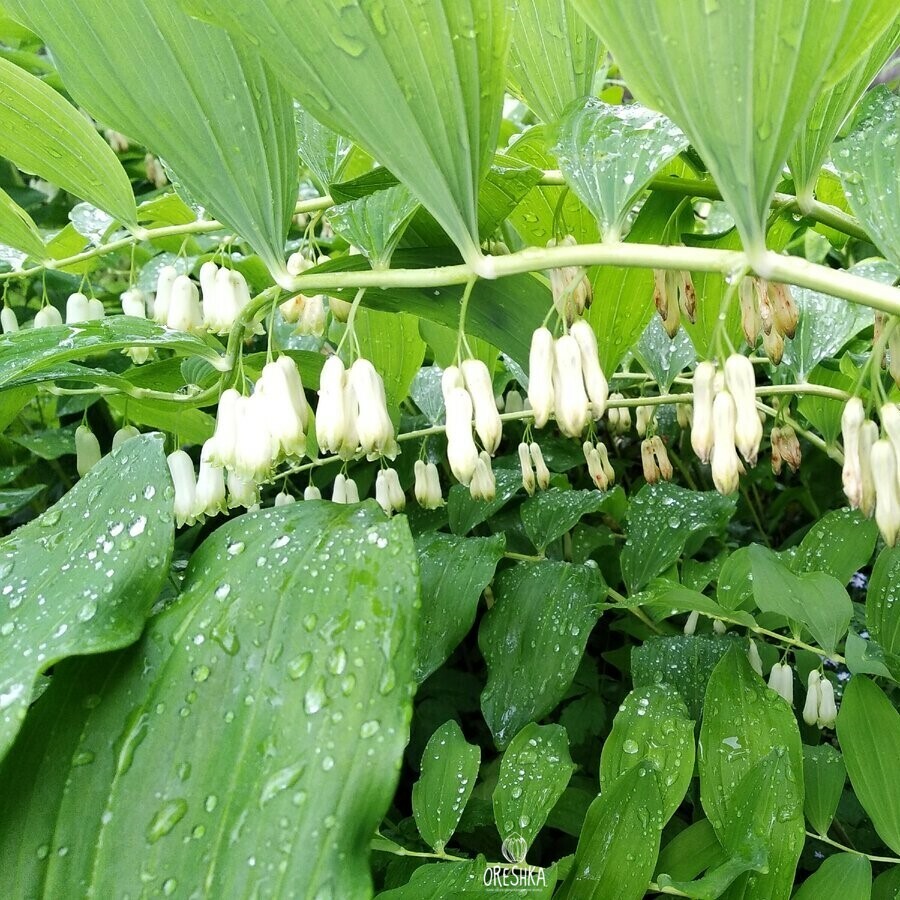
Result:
868,727
418,87
883,600
662,519
17,228
449,769
534,772
619,843
665,599
453,572
553,57
869,162
608,154
692,850
844,875
323,151
840,544
465,513
44,134
82,577
652,724
727,111
467,879
532,640
550,514
743,721
663,357
208,107
824,775
238,730
14,499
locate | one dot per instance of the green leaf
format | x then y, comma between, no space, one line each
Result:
50,443
34,349
465,513
83,577
420,88
472,880
652,724
844,875
824,774
662,519
192,426
869,162
14,499
323,151
208,107
883,600
663,357
887,885
553,57
550,514
532,640
832,108
866,657
743,722
43,134
449,769
453,572
609,154
868,728
250,709
840,544
817,600
534,772
683,661
375,223
690,852
619,843
728,113
17,229
666,599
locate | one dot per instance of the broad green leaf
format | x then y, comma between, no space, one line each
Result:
652,724
868,727
449,769
869,162
534,772
665,599
532,640
472,880
824,775
208,107
43,134
465,513
550,514
17,229
265,715
840,544
662,519
419,87
34,349
742,722
83,577
690,852
727,109
191,426
619,843
608,154
887,885
322,151
831,109
817,600
824,413
866,657
844,875
553,57
14,499
375,223
49,443
663,357
683,661
883,600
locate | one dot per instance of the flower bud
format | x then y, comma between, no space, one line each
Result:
312,316
663,463
827,714
382,494
750,320
753,658
741,383
887,492
687,296
163,300
87,450
572,407
488,425
684,415
125,433
462,454
648,462
890,421
773,344
331,415
395,491
181,469
96,310
282,498
241,491
619,417
47,317
570,286
540,376
813,694
8,320
785,310
134,303
298,263
210,495
351,491
785,448
719,626
513,402
781,680
77,309
311,492
604,461
595,466
690,625
184,307
373,424
851,475
339,488
725,462
282,393
218,300
541,472
528,479
221,450
665,298
482,486
340,309
868,434
643,416
595,382
428,485
702,427
255,448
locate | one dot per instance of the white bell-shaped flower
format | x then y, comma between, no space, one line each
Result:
288,416
726,466
741,383
781,680
163,299
827,707
663,463
373,424
851,475
890,421
868,434
702,416
47,317
462,454
648,463
241,491
690,625
255,448
350,444
77,309
483,486
451,378
488,425
339,488
395,489
754,659
643,416
351,491
595,465
134,303
181,468
595,382
221,451
331,415
572,407
513,402
125,433
887,491
529,482
96,310
283,498
210,499
298,263
541,472
87,450
312,316
428,485
311,492
540,376
184,308
813,696
8,320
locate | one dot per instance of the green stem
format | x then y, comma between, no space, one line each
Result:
827,840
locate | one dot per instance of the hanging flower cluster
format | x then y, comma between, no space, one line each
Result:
570,287
767,308
674,296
